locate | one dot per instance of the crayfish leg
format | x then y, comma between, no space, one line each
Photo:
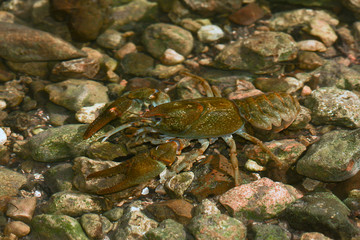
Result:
260,144
234,161
190,157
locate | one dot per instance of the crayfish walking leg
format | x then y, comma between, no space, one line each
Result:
234,161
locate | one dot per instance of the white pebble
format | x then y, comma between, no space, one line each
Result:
210,33
88,114
37,194
171,57
251,165
2,104
3,136
145,191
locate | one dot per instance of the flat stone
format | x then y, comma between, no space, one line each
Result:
217,226
19,43
257,52
330,105
76,68
248,15
259,200
323,160
75,204
10,182
39,69
49,226
321,212
314,236
282,21
60,143
176,209
21,209
207,8
74,94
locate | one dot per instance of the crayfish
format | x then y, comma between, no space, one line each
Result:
203,119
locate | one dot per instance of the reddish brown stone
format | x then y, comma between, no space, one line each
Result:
176,209
218,180
342,189
216,183
247,15
21,209
221,163
126,49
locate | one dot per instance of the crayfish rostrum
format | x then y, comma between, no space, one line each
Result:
203,119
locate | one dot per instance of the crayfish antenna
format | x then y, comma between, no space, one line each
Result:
208,90
115,130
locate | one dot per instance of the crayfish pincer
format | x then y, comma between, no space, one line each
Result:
206,118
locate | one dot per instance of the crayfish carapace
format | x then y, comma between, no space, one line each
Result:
203,119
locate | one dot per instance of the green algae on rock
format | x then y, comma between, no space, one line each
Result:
257,52
335,158
56,227
58,144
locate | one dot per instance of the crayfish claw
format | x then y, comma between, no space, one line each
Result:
139,169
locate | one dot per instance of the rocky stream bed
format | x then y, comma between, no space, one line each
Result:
61,62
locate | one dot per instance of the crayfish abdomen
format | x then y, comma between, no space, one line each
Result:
196,118
271,111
